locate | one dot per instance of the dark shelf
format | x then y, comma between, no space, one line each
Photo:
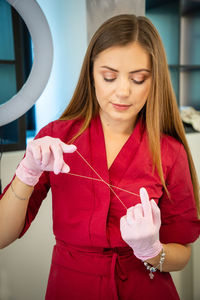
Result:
185,67
7,62
155,3
189,7
174,66
178,23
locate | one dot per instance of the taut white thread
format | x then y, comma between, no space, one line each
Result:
101,179
97,179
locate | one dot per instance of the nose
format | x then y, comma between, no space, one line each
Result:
123,88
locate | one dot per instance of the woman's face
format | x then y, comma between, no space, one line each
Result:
122,79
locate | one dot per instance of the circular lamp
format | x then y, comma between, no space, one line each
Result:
41,37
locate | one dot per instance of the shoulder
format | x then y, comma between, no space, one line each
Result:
62,129
172,152
169,143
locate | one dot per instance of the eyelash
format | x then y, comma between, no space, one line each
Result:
135,81
138,82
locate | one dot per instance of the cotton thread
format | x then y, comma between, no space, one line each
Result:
116,187
101,179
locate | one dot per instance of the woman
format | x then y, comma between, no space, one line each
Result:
124,123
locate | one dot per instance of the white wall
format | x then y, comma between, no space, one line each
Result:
24,265
194,142
67,21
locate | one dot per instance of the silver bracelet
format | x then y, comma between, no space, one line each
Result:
154,269
18,197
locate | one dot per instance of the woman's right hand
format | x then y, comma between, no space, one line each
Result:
43,154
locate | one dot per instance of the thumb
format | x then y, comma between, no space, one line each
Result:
65,168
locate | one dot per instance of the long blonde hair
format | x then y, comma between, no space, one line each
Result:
160,112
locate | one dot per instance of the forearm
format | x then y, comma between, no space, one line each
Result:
13,211
176,258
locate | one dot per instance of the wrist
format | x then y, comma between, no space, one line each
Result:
27,176
154,261
150,253
21,190
158,266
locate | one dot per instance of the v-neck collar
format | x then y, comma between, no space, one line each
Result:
122,161
126,154
98,150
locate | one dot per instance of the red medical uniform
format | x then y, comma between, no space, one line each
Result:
90,260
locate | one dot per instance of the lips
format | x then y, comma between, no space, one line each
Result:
120,106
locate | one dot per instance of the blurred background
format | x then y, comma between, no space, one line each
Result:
24,265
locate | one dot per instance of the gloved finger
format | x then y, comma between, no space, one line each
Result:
123,226
138,212
68,148
130,216
58,157
145,203
65,168
155,212
46,154
35,151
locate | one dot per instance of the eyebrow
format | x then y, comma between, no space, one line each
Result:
135,71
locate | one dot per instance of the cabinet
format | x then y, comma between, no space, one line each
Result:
178,23
15,65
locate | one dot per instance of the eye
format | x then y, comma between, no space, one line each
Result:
109,76
138,81
109,79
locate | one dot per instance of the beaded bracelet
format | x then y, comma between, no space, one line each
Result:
154,269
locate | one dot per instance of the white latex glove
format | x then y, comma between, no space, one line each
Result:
140,227
43,154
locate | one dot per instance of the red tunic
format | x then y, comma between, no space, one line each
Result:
90,260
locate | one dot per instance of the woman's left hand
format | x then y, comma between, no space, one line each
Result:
140,227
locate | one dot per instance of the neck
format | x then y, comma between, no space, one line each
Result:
117,127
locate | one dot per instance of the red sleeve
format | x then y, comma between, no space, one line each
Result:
40,189
39,194
179,215
53,129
